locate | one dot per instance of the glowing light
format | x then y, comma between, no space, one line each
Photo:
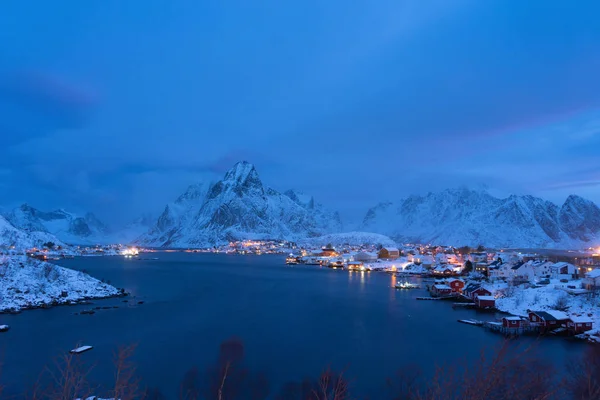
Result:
130,252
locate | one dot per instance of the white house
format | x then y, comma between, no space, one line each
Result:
563,270
477,257
424,259
365,257
592,280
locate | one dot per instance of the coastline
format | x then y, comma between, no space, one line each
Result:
27,283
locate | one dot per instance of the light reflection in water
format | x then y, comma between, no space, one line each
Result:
362,279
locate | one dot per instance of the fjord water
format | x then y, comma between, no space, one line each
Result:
293,320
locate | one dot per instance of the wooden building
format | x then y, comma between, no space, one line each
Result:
457,285
485,302
548,320
389,253
512,322
578,324
440,290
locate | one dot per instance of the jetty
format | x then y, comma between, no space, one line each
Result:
429,298
471,322
521,329
463,305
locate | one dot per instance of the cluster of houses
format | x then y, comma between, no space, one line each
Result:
550,321
474,292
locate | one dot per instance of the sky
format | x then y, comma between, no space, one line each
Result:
117,106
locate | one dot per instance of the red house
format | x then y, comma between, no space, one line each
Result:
485,302
480,292
548,319
512,322
439,290
456,285
577,325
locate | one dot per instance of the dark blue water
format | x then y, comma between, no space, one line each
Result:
294,321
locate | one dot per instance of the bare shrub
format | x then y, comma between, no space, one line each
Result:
512,372
190,385
68,380
583,382
562,303
126,385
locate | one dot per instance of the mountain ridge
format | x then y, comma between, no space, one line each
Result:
470,217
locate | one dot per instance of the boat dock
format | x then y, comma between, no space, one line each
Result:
429,298
463,305
521,330
471,322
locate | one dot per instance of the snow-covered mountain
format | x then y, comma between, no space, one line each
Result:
11,236
238,207
469,217
68,227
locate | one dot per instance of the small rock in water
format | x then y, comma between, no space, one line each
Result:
141,302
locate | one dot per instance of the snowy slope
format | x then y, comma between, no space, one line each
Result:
25,282
469,217
349,238
238,207
11,236
66,226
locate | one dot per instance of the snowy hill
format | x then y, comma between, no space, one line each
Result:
10,236
469,217
238,207
73,229
66,226
25,282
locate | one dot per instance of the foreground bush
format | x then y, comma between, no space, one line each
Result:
511,372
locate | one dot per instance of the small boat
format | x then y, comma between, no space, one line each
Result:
291,261
81,349
471,322
407,285
4,328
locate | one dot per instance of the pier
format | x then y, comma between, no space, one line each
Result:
512,331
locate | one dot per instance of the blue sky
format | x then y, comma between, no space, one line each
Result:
116,106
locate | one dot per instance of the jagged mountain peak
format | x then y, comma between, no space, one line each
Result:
242,179
242,173
240,207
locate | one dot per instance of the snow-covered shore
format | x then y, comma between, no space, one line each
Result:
30,283
517,300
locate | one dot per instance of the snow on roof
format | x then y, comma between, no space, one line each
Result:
438,286
390,249
580,319
551,315
486,297
558,314
512,318
593,274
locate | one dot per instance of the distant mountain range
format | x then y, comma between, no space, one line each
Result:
62,226
240,206
468,217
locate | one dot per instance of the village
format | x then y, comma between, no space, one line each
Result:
540,294
551,293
